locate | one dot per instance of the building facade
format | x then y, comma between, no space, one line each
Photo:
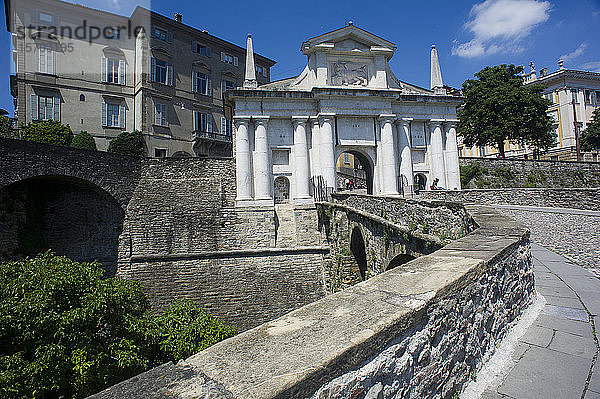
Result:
290,133
106,73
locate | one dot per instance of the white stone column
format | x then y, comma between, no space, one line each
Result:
262,172
301,167
315,158
243,170
327,150
388,156
438,168
451,155
406,168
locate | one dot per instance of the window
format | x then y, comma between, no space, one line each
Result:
113,114
229,59
160,114
160,152
45,108
261,70
574,95
81,97
201,82
227,84
113,70
45,17
46,59
202,122
225,126
347,158
201,49
161,71
162,34
587,95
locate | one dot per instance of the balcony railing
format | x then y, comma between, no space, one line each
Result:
212,136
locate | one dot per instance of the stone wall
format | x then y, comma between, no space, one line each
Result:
419,330
530,173
577,198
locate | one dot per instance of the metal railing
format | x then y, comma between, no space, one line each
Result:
212,136
319,189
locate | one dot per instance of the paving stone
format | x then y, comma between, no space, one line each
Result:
539,336
590,395
561,301
566,312
520,349
547,374
487,394
563,291
548,282
595,380
573,344
564,325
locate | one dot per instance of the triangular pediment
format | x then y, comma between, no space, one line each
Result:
349,38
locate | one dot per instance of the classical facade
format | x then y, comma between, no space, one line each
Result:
290,133
106,73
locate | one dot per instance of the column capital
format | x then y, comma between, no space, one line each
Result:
451,123
297,120
404,121
241,120
435,122
387,117
324,116
260,119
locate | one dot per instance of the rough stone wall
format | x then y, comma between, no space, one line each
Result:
530,173
577,198
439,355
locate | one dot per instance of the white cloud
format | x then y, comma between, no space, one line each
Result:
500,25
593,66
575,53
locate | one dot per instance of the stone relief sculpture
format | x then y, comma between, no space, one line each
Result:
345,73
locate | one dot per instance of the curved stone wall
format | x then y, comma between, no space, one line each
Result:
418,330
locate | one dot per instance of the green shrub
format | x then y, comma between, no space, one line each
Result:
128,143
49,132
471,171
6,128
66,332
84,140
504,172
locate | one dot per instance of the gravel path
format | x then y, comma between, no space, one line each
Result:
574,236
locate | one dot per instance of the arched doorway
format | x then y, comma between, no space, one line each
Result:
282,190
354,171
420,182
357,247
70,216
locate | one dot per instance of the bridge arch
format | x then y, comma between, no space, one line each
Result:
364,158
358,250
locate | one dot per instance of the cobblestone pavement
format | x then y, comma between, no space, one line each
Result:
573,234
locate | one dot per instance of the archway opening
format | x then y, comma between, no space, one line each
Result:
72,217
282,190
354,172
420,182
357,247
399,260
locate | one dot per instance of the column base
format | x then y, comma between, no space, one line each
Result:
266,201
303,201
244,202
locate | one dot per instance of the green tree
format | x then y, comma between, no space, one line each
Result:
50,132
590,137
499,107
6,128
84,140
67,332
128,143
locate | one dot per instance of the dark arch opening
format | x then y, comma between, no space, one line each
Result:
354,171
420,182
357,247
73,217
281,189
399,260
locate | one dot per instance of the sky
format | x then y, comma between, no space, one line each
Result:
468,35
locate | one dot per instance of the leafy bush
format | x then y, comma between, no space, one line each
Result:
6,128
471,171
50,132
504,173
128,143
84,140
66,332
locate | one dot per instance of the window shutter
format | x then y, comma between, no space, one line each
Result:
208,51
170,37
195,81
152,31
194,46
56,20
42,58
122,115
170,74
209,123
165,116
195,115
56,107
209,86
103,70
34,107
34,15
104,122
50,60
235,61
222,56
122,72
223,126
152,69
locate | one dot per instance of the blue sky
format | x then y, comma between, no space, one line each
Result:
468,35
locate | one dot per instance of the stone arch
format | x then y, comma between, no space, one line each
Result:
365,160
398,260
358,250
181,154
420,182
281,189
71,216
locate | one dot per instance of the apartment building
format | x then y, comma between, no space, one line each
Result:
106,73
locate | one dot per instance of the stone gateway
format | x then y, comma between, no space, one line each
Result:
347,100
